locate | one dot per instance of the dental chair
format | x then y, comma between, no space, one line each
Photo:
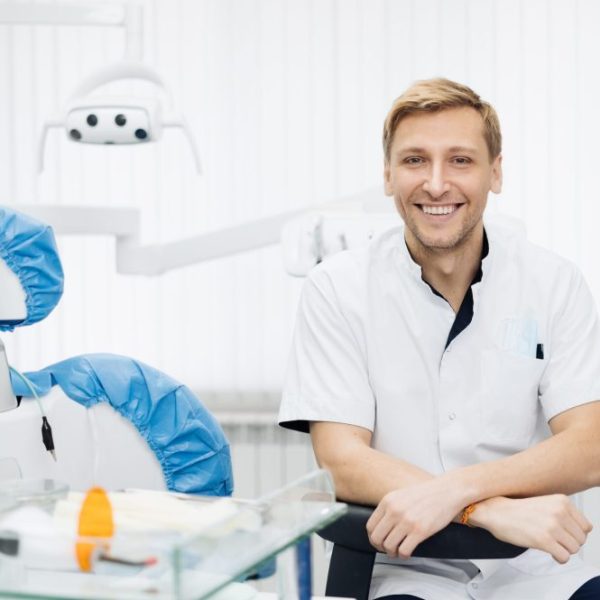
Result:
353,557
115,421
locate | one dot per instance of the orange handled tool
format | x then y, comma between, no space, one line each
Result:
95,520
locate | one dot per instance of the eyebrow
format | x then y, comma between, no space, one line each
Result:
466,149
419,150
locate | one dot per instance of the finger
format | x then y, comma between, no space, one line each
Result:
580,519
374,519
381,531
408,545
559,553
568,542
575,529
393,541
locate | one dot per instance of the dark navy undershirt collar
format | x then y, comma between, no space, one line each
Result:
464,316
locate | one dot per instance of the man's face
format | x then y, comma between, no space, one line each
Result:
440,174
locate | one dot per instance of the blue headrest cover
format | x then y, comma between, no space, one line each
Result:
28,248
186,439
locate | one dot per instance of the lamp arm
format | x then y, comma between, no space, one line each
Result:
115,72
180,122
43,139
156,259
128,16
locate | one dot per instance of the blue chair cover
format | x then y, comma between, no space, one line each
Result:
186,439
28,248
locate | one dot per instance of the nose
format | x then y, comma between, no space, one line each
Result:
435,183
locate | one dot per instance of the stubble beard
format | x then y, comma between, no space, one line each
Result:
443,243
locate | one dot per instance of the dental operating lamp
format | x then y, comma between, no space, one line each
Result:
89,117
92,118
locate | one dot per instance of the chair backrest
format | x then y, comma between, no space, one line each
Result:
12,298
353,557
184,437
94,446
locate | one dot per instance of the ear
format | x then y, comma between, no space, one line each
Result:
387,184
496,183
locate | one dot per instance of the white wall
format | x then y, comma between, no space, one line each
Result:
287,99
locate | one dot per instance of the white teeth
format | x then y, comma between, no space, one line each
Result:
439,210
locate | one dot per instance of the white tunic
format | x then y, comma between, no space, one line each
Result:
368,350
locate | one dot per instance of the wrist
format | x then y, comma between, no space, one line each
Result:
459,484
483,515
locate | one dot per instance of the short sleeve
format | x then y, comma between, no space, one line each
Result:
572,376
327,376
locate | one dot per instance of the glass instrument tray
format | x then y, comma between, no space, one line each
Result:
189,566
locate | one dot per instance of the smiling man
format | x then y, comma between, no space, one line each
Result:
451,371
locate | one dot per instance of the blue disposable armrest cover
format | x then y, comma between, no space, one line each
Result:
186,439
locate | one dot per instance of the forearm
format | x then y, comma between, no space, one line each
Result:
367,475
360,473
566,463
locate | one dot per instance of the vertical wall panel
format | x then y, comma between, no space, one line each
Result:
7,140
454,39
508,93
271,86
322,100
563,165
373,102
399,47
427,31
349,40
480,46
298,131
22,89
588,132
536,103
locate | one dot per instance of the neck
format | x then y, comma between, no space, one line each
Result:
449,271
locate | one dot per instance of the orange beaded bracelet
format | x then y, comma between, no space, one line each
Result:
466,513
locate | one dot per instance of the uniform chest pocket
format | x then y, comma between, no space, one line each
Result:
509,400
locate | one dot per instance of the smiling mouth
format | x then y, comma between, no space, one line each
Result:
445,209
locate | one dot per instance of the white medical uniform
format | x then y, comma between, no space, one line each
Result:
368,350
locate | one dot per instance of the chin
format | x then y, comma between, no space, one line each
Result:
440,244
439,241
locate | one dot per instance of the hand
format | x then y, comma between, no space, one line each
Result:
548,523
406,517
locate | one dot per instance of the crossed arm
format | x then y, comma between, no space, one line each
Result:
521,499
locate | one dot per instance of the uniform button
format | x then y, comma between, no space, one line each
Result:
474,586
452,416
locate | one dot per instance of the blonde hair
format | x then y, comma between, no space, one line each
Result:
432,95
